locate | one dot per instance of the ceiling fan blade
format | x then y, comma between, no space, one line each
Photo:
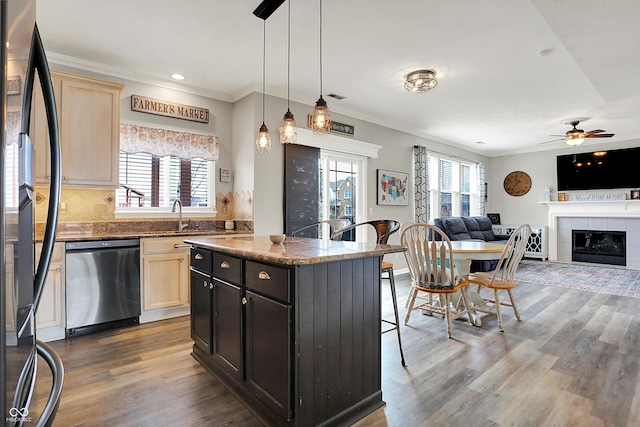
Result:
553,140
600,135
595,131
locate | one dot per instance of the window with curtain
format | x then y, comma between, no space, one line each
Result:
159,166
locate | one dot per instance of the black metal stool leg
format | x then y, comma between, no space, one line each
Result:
392,283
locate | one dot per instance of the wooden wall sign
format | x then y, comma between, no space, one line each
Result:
143,104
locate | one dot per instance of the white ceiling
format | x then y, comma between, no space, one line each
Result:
494,85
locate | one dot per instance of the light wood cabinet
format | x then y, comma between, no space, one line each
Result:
50,317
89,125
165,278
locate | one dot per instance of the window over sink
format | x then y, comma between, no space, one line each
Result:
159,166
153,183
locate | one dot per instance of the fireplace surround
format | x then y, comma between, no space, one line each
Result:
619,215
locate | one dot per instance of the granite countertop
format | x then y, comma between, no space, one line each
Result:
294,250
75,236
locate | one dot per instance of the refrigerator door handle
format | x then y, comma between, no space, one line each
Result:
57,371
38,61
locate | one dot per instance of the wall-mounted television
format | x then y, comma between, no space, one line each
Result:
599,170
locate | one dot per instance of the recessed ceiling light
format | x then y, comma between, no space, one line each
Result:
546,52
177,76
480,142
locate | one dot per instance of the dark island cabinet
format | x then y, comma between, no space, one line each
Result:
227,324
298,344
201,306
268,338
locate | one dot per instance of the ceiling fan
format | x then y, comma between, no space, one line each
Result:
577,136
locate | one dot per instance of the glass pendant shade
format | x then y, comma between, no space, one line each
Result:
263,141
321,118
288,130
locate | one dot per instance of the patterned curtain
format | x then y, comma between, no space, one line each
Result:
421,183
163,142
482,188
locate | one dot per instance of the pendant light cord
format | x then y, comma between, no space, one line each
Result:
264,61
321,48
289,56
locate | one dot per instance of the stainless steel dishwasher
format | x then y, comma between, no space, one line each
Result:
103,285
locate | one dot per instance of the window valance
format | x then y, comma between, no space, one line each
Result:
164,142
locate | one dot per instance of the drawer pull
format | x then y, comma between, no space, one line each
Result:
198,256
210,285
178,246
224,264
263,275
244,301
204,283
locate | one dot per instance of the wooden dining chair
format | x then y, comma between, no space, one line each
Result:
502,278
385,228
429,259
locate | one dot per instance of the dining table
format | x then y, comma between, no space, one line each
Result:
465,251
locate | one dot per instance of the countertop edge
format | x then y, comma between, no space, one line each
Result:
282,257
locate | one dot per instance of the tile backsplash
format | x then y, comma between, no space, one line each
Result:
98,205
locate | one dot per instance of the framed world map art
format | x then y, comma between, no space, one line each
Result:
392,188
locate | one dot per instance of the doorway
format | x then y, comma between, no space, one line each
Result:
343,190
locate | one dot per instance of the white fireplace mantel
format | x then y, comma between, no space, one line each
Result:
591,209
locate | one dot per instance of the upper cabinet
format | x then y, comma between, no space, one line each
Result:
89,125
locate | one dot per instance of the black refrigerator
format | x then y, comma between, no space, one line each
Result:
22,278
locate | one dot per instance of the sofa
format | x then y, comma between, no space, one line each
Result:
477,228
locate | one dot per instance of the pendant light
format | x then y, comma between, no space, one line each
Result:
321,118
263,141
288,130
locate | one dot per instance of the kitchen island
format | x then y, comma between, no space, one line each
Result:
292,329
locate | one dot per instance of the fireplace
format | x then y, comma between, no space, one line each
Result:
601,247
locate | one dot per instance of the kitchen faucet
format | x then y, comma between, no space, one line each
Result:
173,209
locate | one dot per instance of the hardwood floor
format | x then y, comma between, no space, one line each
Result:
573,360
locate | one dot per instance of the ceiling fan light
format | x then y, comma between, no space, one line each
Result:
575,141
421,81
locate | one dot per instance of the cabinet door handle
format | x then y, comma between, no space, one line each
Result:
204,283
211,285
263,275
224,264
198,256
244,301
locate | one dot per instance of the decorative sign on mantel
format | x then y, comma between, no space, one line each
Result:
143,104
598,197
